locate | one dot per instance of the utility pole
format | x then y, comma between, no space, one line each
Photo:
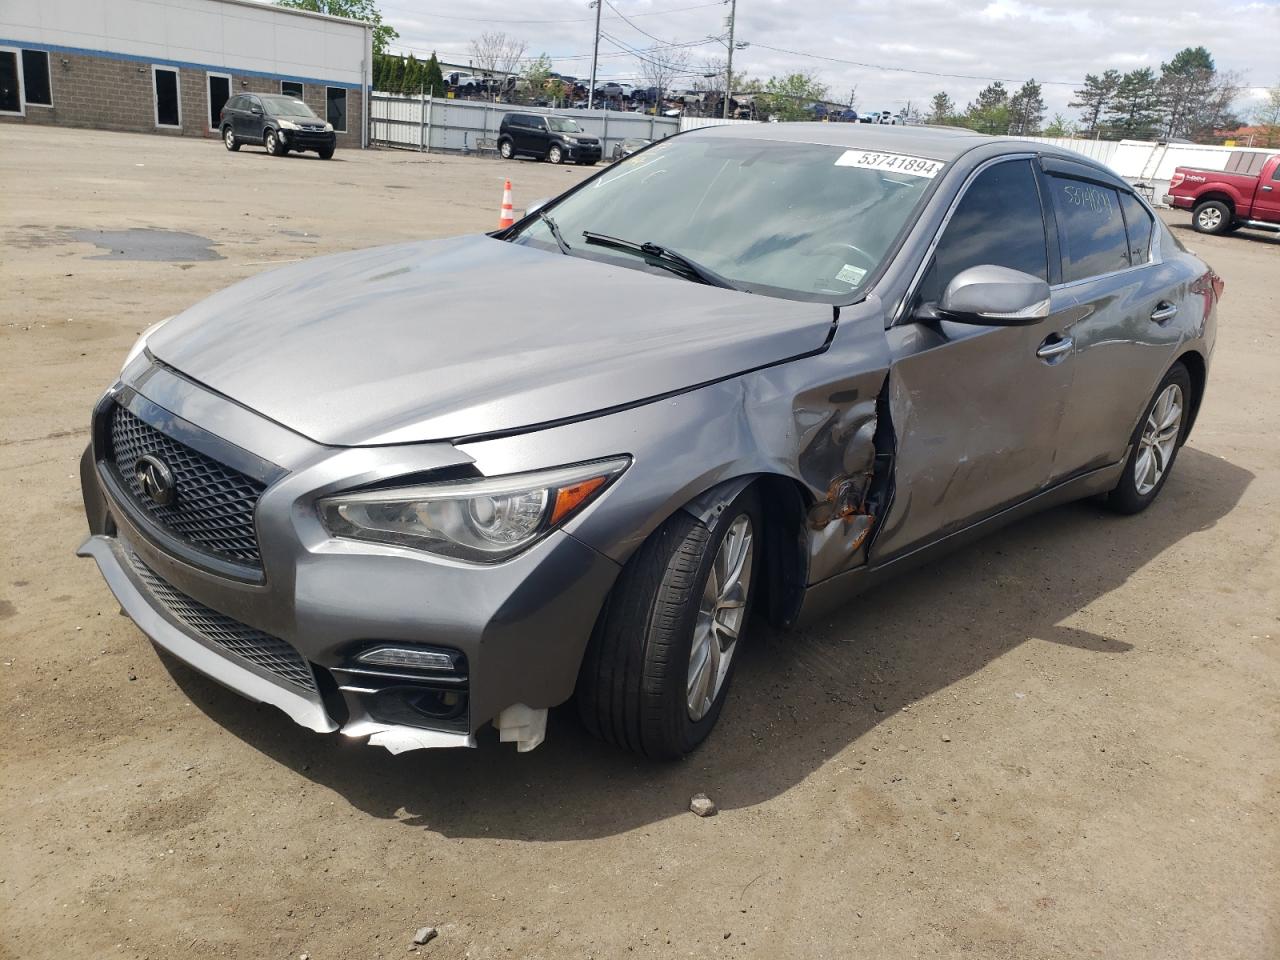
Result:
595,53
728,72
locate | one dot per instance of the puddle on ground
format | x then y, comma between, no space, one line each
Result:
148,244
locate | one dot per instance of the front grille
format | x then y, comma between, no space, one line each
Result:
243,641
213,508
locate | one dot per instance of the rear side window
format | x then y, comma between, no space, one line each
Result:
1091,228
1139,226
998,221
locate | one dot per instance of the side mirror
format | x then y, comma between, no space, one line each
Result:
537,205
994,296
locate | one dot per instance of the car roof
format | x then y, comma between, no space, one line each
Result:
935,143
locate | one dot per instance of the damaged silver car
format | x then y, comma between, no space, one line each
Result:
785,362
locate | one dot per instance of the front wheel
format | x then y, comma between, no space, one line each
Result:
273,144
1212,216
661,657
506,150
1155,444
326,153
555,154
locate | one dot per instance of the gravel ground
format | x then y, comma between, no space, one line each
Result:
1060,742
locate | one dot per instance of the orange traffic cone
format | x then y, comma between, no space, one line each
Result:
505,216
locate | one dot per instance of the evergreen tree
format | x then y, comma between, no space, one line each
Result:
1026,110
942,108
412,83
433,76
1094,99
1134,113
989,113
1197,99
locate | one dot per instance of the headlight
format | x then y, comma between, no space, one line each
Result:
288,125
328,128
141,343
483,521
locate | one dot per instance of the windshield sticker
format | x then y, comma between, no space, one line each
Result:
851,275
896,162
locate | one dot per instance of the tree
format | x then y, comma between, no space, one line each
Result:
789,97
1060,126
433,77
412,82
1134,113
659,67
494,52
942,109
365,10
1197,99
1094,98
1267,117
536,73
1026,110
990,112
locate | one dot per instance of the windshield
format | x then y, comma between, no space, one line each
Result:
799,220
282,106
564,125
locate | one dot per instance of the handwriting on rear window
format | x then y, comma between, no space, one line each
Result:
1090,198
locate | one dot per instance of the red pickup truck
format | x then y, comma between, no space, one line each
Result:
1245,194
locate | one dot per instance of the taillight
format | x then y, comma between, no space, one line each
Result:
1178,177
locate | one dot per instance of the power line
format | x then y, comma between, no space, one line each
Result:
638,29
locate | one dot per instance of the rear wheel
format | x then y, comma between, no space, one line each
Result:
1155,444
1212,216
661,658
229,139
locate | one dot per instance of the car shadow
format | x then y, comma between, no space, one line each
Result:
798,698
1265,237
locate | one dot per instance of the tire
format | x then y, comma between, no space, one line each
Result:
271,142
229,139
1135,491
634,689
506,149
1212,216
555,154
326,153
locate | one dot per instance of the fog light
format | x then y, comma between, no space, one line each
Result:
407,657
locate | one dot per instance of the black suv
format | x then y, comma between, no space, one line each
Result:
277,121
557,139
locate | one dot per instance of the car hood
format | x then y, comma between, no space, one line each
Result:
442,339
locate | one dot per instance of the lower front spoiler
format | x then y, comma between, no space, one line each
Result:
304,710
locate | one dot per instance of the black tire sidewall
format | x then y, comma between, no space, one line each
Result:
506,150
1125,496
1223,225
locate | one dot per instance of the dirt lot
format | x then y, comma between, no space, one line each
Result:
1061,742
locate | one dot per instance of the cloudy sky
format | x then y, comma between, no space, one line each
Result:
1051,40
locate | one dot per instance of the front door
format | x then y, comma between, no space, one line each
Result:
1266,202
538,137
976,409
219,94
168,101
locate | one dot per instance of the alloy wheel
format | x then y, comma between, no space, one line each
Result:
229,139
1159,440
721,612
1210,218
271,143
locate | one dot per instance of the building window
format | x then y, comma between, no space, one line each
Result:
336,102
10,82
168,97
291,88
35,77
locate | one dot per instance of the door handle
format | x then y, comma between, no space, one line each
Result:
1164,311
1266,187
1052,348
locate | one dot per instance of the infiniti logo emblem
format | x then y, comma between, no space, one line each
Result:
156,480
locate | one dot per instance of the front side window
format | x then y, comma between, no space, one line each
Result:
35,77
1139,226
796,220
998,221
564,125
1090,228
336,105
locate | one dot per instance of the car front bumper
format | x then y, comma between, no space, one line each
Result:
515,631
308,140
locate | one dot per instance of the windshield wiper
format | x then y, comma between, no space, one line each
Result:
555,232
663,257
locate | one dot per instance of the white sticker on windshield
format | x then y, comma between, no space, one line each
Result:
851,275
897,162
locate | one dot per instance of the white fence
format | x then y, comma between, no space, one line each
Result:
693,123
466,126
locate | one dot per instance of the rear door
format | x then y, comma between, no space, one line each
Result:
976,409
1125,303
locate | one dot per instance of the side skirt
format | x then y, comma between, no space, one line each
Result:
824,597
